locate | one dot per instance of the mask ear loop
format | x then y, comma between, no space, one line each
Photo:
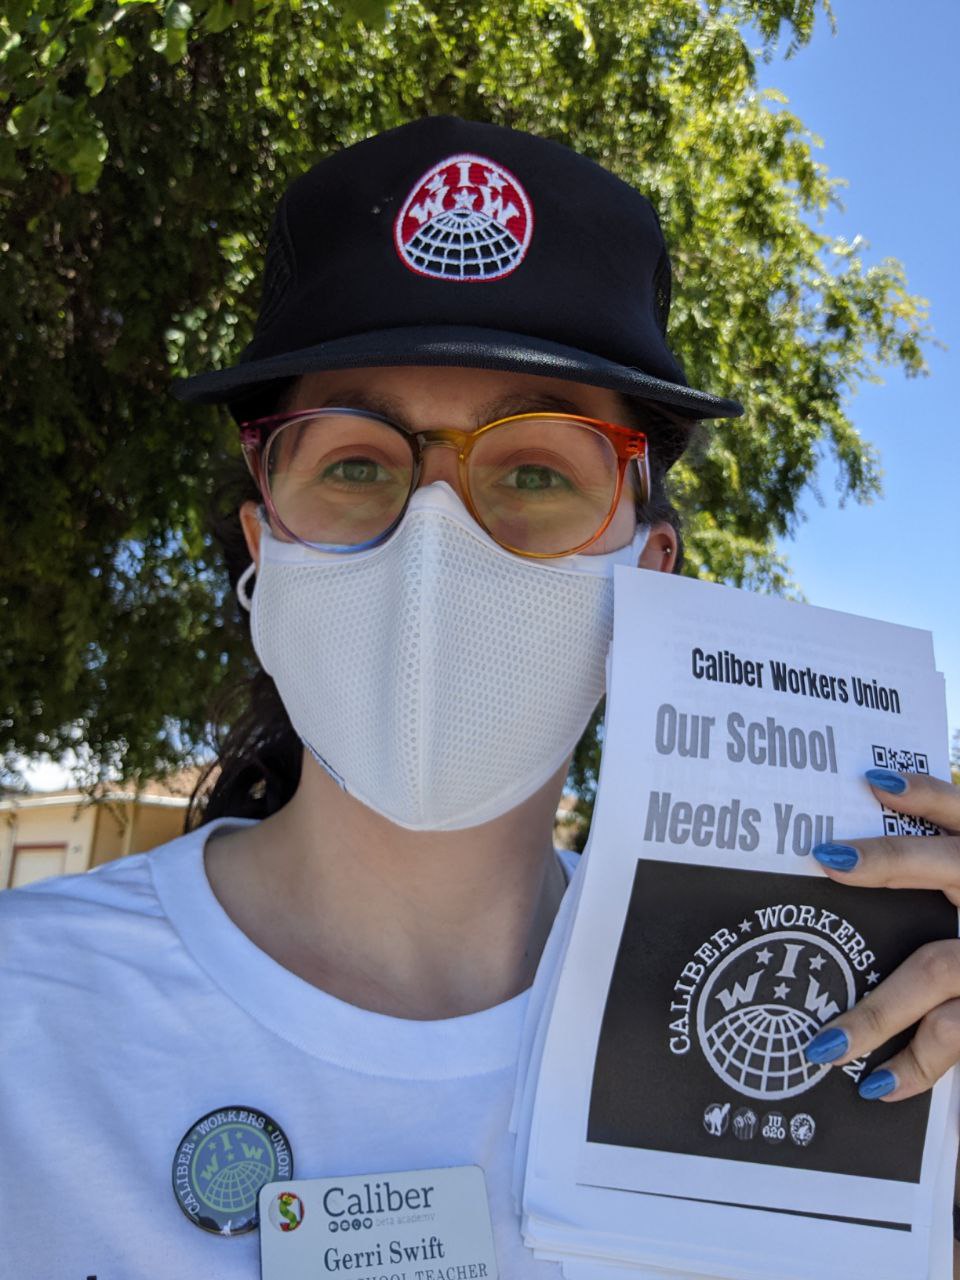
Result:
640,540
241,588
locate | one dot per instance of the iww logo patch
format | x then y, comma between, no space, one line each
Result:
466,219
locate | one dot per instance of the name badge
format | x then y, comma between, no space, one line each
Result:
429,1224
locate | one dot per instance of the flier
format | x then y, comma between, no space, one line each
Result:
708,948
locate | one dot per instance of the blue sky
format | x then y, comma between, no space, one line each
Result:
884,96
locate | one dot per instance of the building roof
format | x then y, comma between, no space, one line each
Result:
174,790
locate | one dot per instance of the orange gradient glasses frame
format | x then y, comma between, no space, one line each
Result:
623,445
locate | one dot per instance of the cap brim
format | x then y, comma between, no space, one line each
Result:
444,345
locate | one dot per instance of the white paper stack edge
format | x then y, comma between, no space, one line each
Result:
606,1232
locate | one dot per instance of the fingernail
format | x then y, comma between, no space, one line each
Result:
827,1046
877,1084
838,857
886,780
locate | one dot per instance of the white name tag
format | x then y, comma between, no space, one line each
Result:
429,1224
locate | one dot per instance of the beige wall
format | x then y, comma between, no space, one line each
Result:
75,836
107,842
155,825
69,825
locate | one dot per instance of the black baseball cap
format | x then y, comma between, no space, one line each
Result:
456,243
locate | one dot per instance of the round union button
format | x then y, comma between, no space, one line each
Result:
221,1163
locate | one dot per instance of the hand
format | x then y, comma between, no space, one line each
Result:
926,987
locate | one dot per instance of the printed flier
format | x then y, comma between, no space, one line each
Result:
709,947
721,979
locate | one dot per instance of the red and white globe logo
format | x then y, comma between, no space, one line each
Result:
467,218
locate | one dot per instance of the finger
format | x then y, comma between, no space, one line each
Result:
927,979
919,795
895,862
934,1049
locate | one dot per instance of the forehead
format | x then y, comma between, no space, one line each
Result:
448,394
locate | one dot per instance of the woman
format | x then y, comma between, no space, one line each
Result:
458,409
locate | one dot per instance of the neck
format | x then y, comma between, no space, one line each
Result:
416,924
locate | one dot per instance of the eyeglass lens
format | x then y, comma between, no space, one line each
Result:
538,485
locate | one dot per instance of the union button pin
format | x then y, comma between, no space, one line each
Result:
221,1163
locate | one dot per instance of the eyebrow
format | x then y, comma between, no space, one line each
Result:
502,407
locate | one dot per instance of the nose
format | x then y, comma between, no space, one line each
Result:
440,463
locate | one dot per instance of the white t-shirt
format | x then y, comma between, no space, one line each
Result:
131,1006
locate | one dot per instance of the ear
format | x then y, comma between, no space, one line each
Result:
251,529
660,553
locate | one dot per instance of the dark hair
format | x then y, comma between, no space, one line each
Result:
258,753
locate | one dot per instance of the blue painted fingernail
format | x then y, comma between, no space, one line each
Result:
827,1046
886,780
877,1084
838,857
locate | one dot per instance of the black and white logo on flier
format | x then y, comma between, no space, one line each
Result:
716,1118
785,951
773,1127
802,1129
744,1124
763,1004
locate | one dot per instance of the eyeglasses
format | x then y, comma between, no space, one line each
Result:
541,484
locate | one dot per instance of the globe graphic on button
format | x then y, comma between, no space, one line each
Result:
763,1004
234,1189
230,1166
460,243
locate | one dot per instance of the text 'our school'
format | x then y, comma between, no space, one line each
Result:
764,742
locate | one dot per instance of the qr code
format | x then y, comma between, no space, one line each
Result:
902,824
900,761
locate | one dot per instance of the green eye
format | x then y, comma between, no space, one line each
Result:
533,479
356,471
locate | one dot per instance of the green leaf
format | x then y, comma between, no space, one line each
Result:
178,16
16,14
10,168
119,58
84,158
221,15
578,17
372,13
176,46
96,76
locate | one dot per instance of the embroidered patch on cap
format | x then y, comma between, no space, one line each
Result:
466,219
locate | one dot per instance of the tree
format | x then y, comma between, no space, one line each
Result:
145,147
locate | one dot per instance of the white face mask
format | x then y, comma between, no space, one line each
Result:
438,678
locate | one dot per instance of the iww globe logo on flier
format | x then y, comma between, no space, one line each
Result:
722,978
765,1001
